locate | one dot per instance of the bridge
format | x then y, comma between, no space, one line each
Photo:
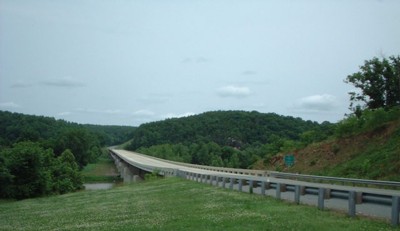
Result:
324,192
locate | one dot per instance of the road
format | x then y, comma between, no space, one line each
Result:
367,209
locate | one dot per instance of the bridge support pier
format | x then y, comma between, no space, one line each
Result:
127,172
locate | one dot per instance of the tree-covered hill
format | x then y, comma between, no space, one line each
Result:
15,127
41,156
231,128
226,138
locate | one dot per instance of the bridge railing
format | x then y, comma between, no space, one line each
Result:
148,168
295,183
336,180
354,195
212,168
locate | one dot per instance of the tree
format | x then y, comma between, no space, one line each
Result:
67,177
29,165
378,82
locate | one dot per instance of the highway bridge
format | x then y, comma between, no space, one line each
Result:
335,193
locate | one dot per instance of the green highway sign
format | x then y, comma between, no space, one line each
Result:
289,160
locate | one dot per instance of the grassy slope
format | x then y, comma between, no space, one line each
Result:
171,204
364,155
103,170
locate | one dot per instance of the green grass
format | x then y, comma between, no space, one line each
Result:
103,170
171,204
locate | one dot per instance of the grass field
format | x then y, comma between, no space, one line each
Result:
171,204
103,170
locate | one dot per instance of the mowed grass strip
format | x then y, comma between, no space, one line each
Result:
171,204
103,170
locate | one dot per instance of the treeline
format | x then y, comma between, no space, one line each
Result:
40,155
227,138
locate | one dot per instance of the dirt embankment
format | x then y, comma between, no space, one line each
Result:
319,157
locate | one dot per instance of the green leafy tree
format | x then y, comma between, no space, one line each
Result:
6,178
378,82
67,177
29,164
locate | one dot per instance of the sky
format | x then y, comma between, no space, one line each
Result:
128,62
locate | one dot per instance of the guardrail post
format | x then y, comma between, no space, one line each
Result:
321,197
231,184
297,194
240,185
395,210
251,182
278,191
352,203
262,187
358,197
302,190
211,180
223,182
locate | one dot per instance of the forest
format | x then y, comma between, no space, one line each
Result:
226,138
42,156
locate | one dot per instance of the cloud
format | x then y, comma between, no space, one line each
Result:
199,59
97,111
64,82
173,115
316,103
234,91
143,112
66,113
9,105
22,84
249,72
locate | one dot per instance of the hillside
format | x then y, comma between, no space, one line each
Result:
172,204
224,128
16,127
370,154
225,138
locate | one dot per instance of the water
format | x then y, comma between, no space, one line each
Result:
98,186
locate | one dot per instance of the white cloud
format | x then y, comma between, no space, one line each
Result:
64,82
91,110
21,84
234,91
199,59
249,72
173,115
9,105
143,112
316,103
66,113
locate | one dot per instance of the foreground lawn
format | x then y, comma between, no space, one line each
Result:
171,204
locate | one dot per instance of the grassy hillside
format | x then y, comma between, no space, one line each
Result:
103,170
171,204
370,154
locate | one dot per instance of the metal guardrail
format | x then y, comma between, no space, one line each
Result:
354,196
297,183
340,180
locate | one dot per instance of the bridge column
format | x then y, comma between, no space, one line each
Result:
127,174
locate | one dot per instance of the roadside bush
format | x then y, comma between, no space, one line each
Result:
28,170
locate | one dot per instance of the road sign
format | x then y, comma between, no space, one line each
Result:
289,160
